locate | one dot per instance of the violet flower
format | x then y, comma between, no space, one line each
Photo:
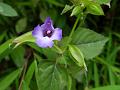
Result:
46,33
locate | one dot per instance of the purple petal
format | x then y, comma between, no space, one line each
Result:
57,34
44,42
37,32
48,24
48,21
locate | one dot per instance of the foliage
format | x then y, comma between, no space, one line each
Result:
78,62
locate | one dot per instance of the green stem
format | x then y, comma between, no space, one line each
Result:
73,29
57,48
75,24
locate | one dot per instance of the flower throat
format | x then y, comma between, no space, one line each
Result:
48,33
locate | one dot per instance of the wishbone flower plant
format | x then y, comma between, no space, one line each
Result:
46,33
51,64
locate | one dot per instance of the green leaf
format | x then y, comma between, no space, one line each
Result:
77,55
66,8
2,35
103,1
5,46
35,46
5,82
76,10
62,60
21,25
63,43
76,2
52,76
73,69
30,73
7,10
37,74
111,87
25,86
111,77
69,83
106,2
96,75
5,49
18,56
89,42
27,37
49,53
95,9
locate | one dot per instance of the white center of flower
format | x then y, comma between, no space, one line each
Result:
48,32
